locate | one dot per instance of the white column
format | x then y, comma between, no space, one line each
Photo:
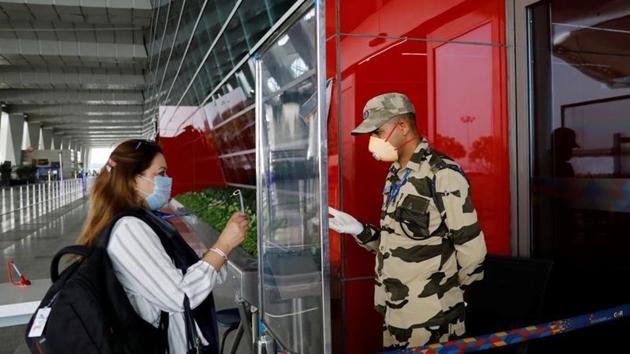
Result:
16,123
6,140
26,136
40,140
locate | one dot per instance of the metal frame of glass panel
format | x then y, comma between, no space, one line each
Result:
519,98
264,176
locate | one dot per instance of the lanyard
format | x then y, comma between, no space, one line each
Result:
393,193
166,216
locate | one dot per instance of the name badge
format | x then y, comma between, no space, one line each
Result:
40,322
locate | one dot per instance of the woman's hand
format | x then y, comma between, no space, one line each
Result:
234,233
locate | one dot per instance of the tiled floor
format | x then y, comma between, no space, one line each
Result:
32,246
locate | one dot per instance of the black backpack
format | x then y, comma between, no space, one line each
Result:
90,311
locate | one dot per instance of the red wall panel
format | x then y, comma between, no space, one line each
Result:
449,58
193,161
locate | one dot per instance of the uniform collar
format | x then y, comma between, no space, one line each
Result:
419,155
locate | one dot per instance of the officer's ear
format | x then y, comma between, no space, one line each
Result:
405,126
408,124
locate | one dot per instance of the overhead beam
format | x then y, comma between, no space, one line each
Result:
109,138
73,78
103,135
60,120
71,131
88,5
85,51
77,109
86,119
79,125
31,96
117,130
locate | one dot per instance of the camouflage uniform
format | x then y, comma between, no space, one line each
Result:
422,258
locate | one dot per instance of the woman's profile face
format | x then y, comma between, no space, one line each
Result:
157,168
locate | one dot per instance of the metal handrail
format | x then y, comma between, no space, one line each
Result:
51,195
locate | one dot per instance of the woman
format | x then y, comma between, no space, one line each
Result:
135,176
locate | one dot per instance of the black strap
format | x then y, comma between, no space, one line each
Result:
77,250
192,339
164,317
437,165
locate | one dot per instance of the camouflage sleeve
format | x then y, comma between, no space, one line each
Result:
370,238
461,219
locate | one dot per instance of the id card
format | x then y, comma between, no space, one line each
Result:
41,317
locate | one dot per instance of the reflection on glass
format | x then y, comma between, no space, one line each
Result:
289,193
464,94
251,21
165,44
184,32
580,144
238,134
240,169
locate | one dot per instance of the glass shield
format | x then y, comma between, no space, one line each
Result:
291,155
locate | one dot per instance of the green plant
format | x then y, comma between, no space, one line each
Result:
215,206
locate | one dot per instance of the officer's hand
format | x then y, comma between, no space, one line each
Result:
344,223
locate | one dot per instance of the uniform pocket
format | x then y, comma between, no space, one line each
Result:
413,217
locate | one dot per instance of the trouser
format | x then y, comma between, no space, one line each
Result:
395,338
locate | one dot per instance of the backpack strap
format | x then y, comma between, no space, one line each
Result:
103,239
163,327
438,164
193,343
76,250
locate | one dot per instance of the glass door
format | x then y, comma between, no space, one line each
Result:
578,63
291,185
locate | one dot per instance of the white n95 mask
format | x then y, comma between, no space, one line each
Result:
382,150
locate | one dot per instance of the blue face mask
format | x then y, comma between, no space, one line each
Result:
161,192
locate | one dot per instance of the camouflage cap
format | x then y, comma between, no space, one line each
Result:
380,109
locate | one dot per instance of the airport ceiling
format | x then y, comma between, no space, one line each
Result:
77,66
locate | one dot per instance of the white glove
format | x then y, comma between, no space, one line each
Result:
344,223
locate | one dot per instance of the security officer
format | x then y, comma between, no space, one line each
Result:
429,245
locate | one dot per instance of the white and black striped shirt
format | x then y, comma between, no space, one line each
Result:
153,283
